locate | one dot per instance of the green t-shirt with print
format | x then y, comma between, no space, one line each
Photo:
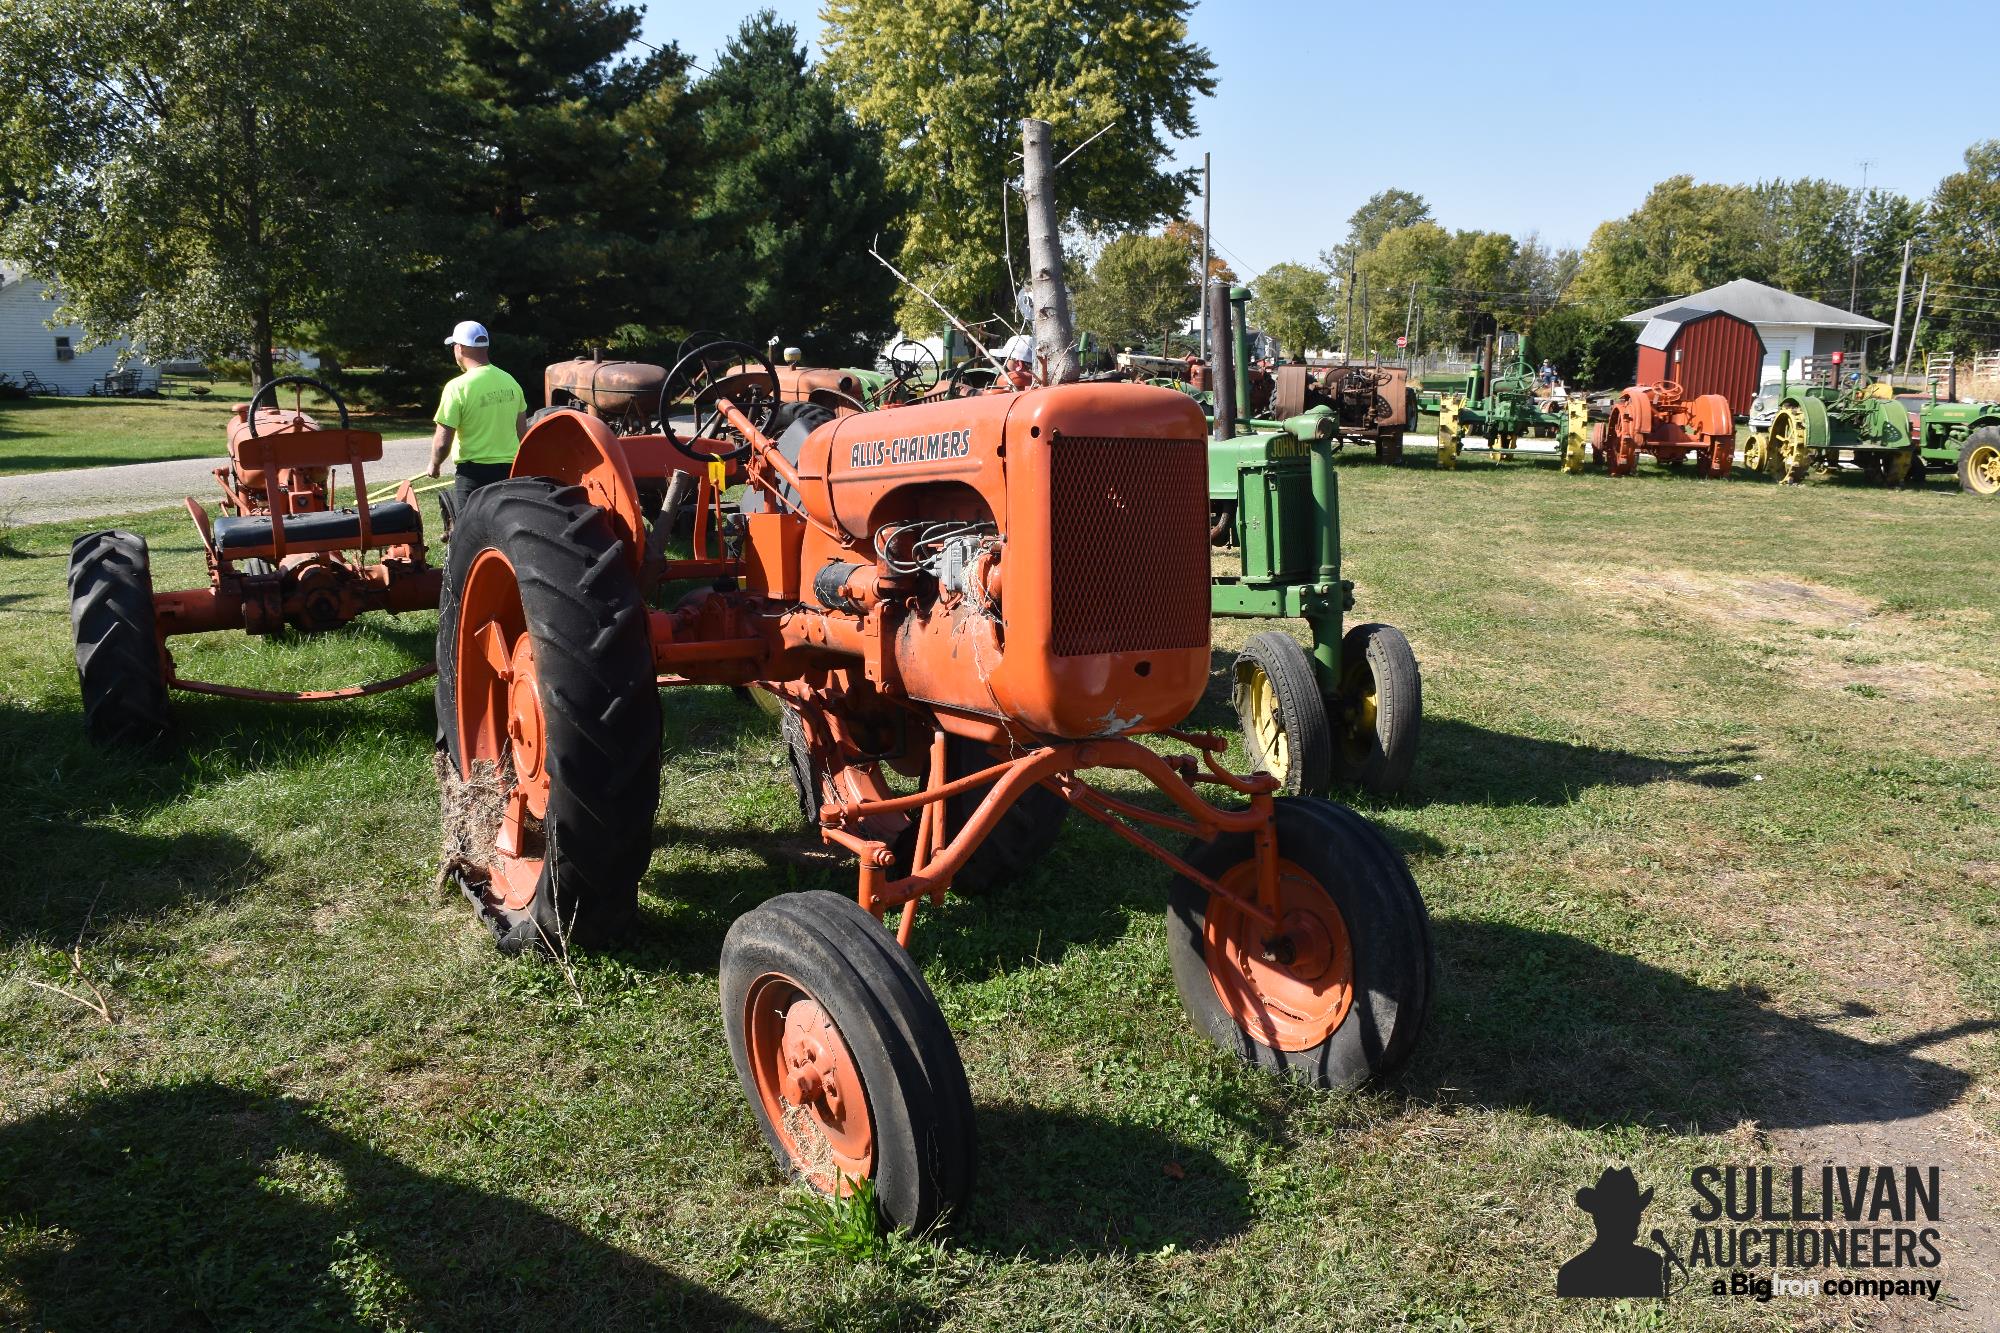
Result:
482,406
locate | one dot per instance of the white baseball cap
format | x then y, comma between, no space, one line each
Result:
1020,347
469,333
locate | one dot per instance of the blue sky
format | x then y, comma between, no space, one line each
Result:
1542,117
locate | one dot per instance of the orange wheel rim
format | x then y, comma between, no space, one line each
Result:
502,731
809,1084
1288,990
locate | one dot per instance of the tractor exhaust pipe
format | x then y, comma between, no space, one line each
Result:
1222,357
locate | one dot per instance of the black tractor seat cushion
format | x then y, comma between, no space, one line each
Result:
390,523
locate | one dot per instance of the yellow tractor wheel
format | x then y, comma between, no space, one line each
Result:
1790,455
1756,451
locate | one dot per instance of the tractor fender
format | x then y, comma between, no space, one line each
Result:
1891,422
579,450
1813,412
1632,415
1709,416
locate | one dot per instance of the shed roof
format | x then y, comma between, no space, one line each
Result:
1662,327
1761,304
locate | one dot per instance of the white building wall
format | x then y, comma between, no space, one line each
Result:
28,345
1798,339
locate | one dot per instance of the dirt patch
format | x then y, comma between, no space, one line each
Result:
1817,636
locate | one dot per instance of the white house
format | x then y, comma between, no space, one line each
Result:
1786,322
55,356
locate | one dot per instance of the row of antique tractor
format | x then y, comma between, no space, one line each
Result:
966,604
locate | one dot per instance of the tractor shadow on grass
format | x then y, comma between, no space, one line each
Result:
1462,763
1056,1183
1562,1027
200,1204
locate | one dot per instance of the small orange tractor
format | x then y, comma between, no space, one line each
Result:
1657,419
283,553
966,608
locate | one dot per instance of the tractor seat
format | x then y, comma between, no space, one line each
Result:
391,523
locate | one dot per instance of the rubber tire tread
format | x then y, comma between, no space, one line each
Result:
1989,435
919,1101
118,663
1301,711
600,702
1399,710
1388,927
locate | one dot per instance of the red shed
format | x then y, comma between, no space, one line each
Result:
1704,351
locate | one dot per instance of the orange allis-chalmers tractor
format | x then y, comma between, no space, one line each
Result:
988,597
1656,419
284,554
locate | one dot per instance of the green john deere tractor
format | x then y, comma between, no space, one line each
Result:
1958,437
1346,713
1822,425
1502,408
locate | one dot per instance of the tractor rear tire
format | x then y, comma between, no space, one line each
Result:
118,663
1349,1005
1380,710
598,715
1979,462
813,987
1282,713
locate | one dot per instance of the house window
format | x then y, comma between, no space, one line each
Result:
64,352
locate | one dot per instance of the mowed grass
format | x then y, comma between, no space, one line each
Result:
1705,815
45,434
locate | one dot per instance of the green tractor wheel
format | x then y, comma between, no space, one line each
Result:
1979,462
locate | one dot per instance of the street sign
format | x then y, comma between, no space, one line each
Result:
1403,341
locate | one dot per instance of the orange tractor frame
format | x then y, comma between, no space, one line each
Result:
1658,419
283,554
964,607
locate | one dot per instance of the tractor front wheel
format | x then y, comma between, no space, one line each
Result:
1282,714
1979,462
1336,994
118,662
549,717
848,1063
1378,710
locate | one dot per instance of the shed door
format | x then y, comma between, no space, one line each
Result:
1779,339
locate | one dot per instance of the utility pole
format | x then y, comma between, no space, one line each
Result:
1409,315
1364,318
1055,343
1917,322
1896,329
1207,184
1861,215
1347,326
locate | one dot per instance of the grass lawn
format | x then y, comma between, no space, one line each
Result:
43,434
1707,814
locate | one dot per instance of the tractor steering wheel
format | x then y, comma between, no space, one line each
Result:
906,364
723,369
298,394
1667,391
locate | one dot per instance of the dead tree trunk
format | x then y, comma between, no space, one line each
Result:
1055,343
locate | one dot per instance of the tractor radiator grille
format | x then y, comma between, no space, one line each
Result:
1129,543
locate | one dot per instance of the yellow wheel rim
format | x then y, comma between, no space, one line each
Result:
1257,705
1983,469
1359,691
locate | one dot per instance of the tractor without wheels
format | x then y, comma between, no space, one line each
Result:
1348,712
991,633
1507,409
283,554
1658,419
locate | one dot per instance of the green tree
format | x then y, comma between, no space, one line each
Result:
1294,304
1963,230
1684,238
1588,349
946,84
219,182
803,188
1385,211
576,208
1141,288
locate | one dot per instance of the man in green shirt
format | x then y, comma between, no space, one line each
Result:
481,417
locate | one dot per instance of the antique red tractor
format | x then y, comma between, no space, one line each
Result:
284,554
1657,419
965,606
